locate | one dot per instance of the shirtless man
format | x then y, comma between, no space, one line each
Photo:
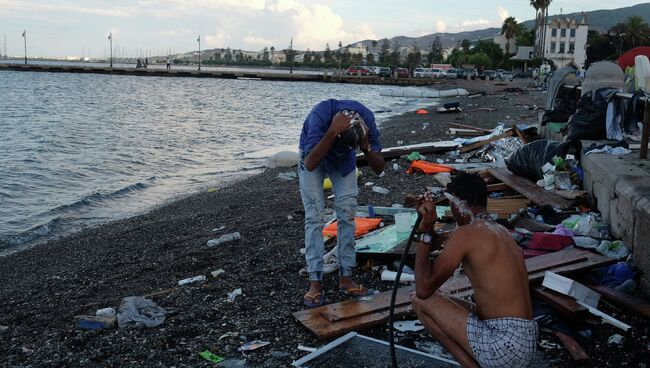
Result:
500,332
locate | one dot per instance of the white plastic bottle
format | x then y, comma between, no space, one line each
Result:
224,239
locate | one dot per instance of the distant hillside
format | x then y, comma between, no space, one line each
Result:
598,19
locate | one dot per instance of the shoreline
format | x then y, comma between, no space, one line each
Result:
46,286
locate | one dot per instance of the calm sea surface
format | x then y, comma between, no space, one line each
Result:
82,149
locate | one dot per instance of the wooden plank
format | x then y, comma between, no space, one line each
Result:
576,351
561,303
396,152
463,126
621,300
519,134
538,195
464,132
497,187
355,308
480,144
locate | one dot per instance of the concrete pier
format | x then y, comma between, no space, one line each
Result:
238,74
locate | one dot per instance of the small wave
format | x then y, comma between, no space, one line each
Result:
98,198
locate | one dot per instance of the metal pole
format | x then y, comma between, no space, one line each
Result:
25,38
110,38
291,56
199,41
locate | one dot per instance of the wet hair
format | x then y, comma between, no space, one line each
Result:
470,188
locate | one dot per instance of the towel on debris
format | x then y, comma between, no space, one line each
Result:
362,226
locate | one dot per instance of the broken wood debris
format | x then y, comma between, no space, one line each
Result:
532,191
476,145
334,320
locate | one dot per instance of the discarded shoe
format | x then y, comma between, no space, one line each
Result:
313,300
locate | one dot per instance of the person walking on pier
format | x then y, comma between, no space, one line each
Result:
146,62
169,63
330,136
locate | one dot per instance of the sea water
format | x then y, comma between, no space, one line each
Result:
83,149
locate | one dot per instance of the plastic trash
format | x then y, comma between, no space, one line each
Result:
217,229
396,167
190,280
391,275
210,357
234,294
253,345
380,190
615,339
587,226
528,160
614,249
224,239
288,176
105,312
218,272
96,322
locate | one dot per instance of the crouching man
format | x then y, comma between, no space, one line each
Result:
499,330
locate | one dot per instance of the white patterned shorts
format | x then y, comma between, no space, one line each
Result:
502,342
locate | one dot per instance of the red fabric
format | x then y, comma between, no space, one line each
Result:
421,112
428,167
549,242
362,226
627,59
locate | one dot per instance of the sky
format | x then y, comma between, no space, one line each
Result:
156,27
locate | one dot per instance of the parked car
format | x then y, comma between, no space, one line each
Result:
521,75
506,76
463,73
452,73
384,72
374,70
438,73
422,73
356,70
401,73
488,73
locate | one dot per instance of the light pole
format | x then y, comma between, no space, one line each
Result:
25,39
110,39
291,56
198,39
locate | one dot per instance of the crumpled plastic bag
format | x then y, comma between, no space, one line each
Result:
588,226
136,311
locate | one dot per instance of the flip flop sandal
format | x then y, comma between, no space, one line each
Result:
317,302
357,292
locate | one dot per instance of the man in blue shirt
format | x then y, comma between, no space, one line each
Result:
328,142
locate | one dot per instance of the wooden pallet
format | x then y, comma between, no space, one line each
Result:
532,191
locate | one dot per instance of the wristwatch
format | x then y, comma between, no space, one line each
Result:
425,238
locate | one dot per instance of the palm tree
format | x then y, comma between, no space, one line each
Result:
543,5
637,31
510,31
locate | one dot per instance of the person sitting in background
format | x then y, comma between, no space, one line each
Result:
330,135
499,331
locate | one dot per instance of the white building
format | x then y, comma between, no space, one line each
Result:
278,57
358,49
502,42
566,40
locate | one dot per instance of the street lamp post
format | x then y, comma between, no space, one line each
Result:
110,39
25,39
291,56
198,39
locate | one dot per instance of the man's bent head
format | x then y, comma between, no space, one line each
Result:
467,196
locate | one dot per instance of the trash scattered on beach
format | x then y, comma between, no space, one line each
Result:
212,190
234,294
287,176
306,348
380,190
404,326
191,280
615,339
253,345
96,322
105,312
218,272
221,228
209,356
224,239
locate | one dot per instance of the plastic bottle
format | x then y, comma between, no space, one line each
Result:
380,190
224,239
105,312
191,280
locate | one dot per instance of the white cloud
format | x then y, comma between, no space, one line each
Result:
219,39
475,23
253,40
441,26
502,12
31,7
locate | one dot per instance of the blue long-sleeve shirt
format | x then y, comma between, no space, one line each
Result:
318,122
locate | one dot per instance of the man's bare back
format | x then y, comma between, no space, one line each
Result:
495,266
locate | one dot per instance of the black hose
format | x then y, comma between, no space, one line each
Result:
391,313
